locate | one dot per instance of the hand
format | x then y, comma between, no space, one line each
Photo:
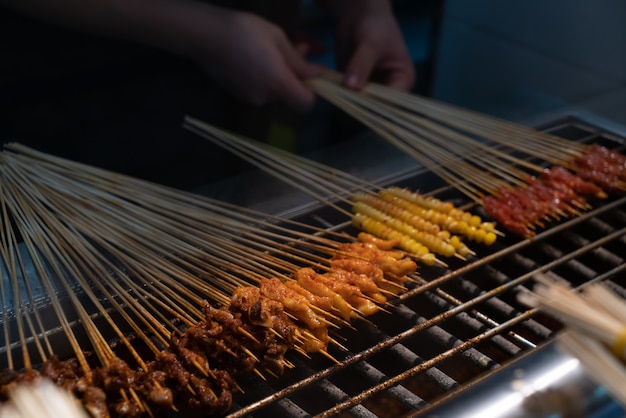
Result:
254,59
370,46
247,54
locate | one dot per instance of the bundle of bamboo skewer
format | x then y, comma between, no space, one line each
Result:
595,327
205,288
41,399
523,177
423,226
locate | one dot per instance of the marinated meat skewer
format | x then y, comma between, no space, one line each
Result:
253,332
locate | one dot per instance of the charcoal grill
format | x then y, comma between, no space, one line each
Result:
458,343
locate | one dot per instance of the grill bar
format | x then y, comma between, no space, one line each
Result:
392,381
517,333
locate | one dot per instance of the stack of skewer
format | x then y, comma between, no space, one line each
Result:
524,178
428,229
196,292
595,328
41,399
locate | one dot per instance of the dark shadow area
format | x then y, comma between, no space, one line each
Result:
120,106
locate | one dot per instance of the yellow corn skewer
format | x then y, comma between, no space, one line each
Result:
432,242
415,221
443,214
406,243
400,213
433,203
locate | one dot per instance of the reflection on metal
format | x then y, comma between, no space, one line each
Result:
546,383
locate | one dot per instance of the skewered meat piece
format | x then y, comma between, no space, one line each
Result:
202,399
530,210
606,181
366,285
62,373
556,193
264,312
115,377
191,390
364,267
249,299
350,292
125,407
393,263
507,216
347,298
191,356
269,345
240,346
603,167
383,244
218,337
94,401
306,277
359,266
555,175
293,302
154,390
322,302
117,380
604,160
167,362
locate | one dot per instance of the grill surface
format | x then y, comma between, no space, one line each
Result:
461,323
457,324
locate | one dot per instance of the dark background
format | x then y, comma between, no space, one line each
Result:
120,106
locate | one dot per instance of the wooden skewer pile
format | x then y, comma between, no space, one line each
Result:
190,288
41,399
498,164
595,333
423,226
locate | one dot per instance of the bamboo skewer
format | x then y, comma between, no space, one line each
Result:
41,399
504,132
72,268
456,139
595,321
144,258
489,160
219,207
315,181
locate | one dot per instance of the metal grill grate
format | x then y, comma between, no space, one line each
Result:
461,323
456,325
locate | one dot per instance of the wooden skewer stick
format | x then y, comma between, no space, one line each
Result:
449,140
478,123
164,249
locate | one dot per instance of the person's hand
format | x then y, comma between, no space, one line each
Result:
370,46
253,59
248,55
